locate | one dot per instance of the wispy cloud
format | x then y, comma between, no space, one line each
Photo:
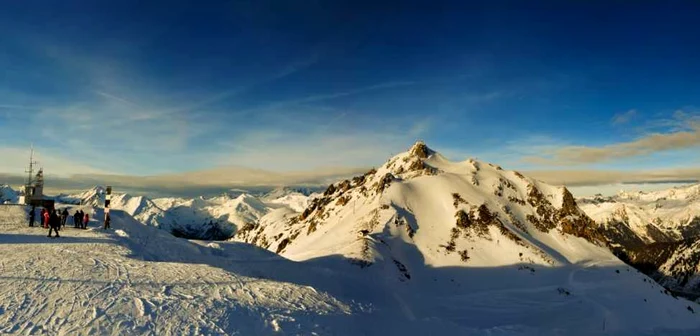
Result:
287,71
19,107
118,99
322,145
15,161
686,135
603,177
624,117
334,95
322,97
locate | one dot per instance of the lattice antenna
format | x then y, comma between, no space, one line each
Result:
30,171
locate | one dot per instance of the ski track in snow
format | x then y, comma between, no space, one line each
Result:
87,283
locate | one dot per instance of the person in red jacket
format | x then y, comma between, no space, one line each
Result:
47,217
86,220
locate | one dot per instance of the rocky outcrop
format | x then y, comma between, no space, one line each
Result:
421,150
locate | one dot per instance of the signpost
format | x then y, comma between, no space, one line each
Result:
108,198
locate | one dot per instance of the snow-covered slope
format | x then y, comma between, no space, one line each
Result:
138,280
474,243
13,216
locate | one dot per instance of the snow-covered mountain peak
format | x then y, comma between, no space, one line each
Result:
421,150
452,213
7,194
93,196
284,191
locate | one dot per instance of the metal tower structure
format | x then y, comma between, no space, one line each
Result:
30,171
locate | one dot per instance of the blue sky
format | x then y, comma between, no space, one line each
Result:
138,88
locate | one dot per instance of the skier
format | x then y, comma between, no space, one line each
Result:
64,217
45,216
86,220
108,220
54,222
31,216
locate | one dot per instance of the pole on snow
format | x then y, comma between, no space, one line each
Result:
108,199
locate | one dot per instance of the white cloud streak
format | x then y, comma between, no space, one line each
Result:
687,135
623,118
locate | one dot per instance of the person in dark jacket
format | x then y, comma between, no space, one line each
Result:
54,222
58,219
76,215
64,217
32,214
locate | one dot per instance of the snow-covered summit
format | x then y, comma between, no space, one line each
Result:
284,191
454,213
94,196
295,198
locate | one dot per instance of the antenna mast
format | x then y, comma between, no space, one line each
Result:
31,166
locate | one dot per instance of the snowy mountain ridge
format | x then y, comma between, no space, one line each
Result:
455,214
7,194
422,224
655,231
420,245
214,218
660,216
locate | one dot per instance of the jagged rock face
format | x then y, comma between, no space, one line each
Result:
202,231
620,233
673,264
453,213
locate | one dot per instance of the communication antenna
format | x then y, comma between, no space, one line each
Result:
31,166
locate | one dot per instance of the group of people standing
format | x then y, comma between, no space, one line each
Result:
53,220
80,219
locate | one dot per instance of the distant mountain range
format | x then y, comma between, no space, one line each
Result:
440,240
658,232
